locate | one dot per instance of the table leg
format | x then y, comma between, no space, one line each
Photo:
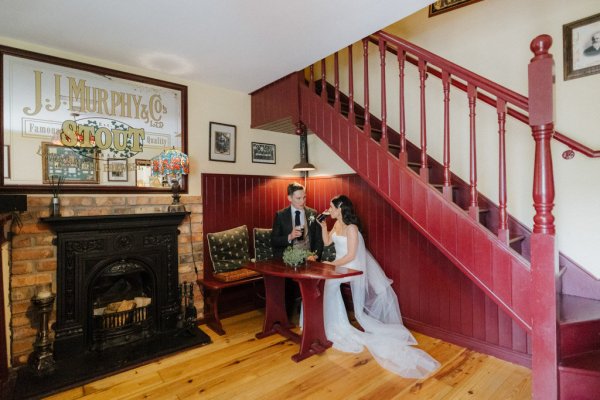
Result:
313,339
275,314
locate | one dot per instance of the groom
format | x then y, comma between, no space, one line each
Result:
284,235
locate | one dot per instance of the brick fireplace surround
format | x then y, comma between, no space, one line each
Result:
33,258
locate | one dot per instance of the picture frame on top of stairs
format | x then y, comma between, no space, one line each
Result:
581,47
442,6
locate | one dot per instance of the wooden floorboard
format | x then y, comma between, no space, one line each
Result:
239,366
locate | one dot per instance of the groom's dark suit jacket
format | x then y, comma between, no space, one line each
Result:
282,226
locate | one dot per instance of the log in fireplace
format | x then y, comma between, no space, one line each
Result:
118,299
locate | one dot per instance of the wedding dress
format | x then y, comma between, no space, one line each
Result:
377,311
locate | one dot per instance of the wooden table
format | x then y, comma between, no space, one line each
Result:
311,279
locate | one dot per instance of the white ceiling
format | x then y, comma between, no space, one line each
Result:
235,44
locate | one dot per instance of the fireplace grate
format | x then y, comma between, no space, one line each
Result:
121,327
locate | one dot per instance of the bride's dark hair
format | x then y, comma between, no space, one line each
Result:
347,208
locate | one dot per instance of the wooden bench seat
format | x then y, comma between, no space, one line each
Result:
213,287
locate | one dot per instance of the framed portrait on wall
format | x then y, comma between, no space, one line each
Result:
222,142
263,153
581,47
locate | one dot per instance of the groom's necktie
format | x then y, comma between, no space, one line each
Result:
297,219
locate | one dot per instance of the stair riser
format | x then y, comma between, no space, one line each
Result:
579,385
579,337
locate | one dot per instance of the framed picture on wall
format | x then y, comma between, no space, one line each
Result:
581,47
117,169
75,165
442,6
6,159
263,153
222,139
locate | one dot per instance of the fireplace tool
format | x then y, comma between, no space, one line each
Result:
41,361
188,313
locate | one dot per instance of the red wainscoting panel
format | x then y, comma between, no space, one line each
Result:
435,297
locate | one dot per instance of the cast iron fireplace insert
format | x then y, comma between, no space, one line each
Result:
101,262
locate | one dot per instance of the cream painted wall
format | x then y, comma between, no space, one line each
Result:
209,103
492,39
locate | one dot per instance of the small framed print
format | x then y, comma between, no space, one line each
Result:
263,153
222,139
6,159
581,47
442,6
117,169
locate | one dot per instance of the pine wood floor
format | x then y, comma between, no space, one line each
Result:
238,366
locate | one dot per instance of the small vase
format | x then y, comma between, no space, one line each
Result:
55,207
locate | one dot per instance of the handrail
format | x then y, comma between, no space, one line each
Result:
479,81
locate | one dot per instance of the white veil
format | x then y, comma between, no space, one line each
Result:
377,311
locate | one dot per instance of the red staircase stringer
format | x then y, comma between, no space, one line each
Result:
493,266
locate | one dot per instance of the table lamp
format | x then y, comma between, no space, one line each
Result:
172,163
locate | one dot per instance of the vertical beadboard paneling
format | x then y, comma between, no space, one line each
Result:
431,290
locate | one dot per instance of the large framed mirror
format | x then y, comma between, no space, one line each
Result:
86,125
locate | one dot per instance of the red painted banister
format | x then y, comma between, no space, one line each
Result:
336,71
367,115
351,115
384,138
424,172
447,190
473,205
403,154
502,213
323,80
517,99
456,70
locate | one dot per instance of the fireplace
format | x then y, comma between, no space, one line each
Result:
118,300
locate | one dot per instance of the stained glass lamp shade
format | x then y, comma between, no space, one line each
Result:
172,163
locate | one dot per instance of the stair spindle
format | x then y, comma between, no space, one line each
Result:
367,126
336,72
447,189
384,139
401,54
323,81
424,172
473,206
351,115
502,214
311,83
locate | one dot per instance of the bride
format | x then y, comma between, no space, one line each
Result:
375,303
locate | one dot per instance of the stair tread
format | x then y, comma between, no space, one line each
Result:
578,309
441,185
589,361
515,238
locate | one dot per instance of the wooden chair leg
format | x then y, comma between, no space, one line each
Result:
214,322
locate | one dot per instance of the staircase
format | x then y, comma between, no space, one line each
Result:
516,269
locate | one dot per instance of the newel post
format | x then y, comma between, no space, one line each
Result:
544,260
